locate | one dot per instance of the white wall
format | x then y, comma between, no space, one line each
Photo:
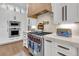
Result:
5,16
47,16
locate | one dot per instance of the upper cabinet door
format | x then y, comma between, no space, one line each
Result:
65,13
78,12
58,12
71,12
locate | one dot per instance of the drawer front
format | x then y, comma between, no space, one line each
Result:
65,50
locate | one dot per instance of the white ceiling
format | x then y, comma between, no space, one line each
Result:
19,5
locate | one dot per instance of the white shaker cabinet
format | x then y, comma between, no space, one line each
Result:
25,41
48,47
57,13
65,49
52,47
64,12
78,11
71,12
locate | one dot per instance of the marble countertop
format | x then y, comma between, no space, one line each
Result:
74,40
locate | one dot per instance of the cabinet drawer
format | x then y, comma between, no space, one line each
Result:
63,49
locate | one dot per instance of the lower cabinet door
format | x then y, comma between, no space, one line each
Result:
48,48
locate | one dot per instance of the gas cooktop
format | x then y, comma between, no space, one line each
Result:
40,33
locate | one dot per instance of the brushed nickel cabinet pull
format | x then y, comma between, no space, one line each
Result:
62,13
61,54
48,41
63,47
66,13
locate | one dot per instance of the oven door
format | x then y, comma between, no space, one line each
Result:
14,23
14,32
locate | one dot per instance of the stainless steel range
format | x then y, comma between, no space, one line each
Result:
36,43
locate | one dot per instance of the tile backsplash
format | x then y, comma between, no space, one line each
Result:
50,27
74,27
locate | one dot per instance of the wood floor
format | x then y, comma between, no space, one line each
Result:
12,49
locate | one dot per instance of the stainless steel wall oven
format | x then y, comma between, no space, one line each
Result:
14,32
14,29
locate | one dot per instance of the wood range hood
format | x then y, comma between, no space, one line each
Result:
34,10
